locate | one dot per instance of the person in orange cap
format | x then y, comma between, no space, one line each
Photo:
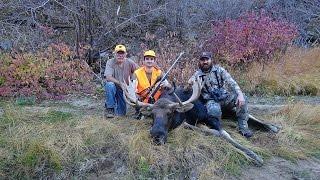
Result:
147,76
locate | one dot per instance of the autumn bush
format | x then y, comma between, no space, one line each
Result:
48,73
251,37
295,72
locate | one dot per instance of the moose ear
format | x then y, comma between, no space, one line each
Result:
184,108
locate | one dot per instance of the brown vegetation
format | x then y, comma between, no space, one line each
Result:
296,73
59,140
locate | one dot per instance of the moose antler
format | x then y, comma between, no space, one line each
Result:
131,96
196,91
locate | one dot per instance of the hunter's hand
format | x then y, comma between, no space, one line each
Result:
166,84
187,87
240,100
122,85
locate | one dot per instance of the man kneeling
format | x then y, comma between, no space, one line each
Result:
147,77
221,92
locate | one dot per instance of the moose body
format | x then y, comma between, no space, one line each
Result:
166,118
169,111
173,108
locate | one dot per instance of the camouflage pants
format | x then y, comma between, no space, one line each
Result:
228,109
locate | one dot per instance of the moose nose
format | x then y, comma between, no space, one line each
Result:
159,141
159,137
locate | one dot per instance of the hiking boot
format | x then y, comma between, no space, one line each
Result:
109,113
246,132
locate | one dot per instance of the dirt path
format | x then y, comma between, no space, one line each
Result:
280,100
270,105
278,168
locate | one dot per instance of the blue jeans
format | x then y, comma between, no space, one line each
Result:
115,99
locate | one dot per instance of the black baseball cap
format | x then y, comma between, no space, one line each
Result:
207,55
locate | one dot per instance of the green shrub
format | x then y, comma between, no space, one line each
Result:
266,87
2,80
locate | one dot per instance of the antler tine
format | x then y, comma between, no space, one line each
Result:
128,101
196,90
130,94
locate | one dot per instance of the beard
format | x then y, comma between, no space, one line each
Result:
205,67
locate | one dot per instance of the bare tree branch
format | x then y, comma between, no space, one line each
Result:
138,15
308,12
41,5
66,7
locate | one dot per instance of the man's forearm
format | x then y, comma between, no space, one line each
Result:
112,79
238,91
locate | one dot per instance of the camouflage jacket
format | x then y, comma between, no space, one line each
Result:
226,82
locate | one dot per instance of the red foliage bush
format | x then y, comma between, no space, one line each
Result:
44,74
251,37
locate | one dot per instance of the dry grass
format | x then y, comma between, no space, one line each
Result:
302,131
299,137
186,155
297,72
36,143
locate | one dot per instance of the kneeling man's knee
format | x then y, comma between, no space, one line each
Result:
214,109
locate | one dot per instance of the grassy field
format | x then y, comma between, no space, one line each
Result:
64,139
295,73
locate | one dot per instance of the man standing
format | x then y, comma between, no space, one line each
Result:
118,70
221,93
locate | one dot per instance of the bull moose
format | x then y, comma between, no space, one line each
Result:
177,107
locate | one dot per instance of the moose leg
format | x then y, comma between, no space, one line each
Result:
247,152
262,124
222,133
